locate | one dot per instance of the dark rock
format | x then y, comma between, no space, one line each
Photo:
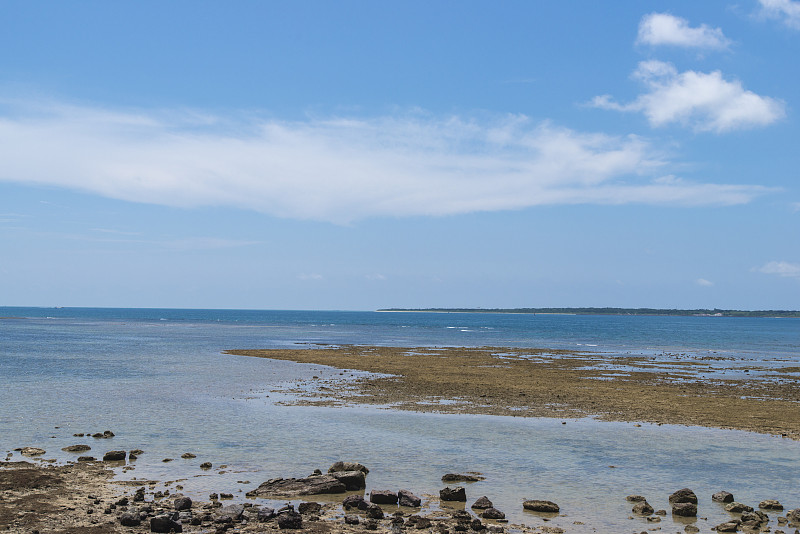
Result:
129,519
635,498
87,459
374,511
114,456
458,477
541,506
347,466
482,503
31,451
108,434
684,495
756,515
77,448
771,504
354,501
728,526
265,514
406,498
642,508
351,520
722,496
660,512
371,525
738,508
290,520
226,514
138,496
353,480
309,508
476,525
493,513
684,509
793,515
188,456
294,487
383,497
457,494
164,523
422,522
183,503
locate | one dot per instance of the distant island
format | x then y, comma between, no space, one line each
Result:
609,311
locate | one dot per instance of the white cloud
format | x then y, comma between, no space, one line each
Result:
704,101
703,282
665,29
781,268
787,11
339,169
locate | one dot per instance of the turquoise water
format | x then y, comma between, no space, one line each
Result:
157,378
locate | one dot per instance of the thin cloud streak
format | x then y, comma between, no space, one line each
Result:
340,169
787,11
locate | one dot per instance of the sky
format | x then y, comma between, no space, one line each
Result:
358,155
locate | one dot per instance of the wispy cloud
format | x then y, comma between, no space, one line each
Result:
310,276
781,268
704,101
665,29
787,11
345,169
703,282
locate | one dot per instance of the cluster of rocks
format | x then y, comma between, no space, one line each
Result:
684,504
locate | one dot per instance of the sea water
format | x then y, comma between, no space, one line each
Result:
159,381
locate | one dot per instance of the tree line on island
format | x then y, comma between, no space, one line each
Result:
611,311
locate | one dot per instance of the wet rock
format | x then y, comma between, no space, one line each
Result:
138,495
458,477
635,498
31,451
728,526
164,523
228,514
541,506
374,511
770,504
353,480
642,508
309,508
684,495
476,525
130,519
87,459
756,516
354,501
265,514
77,448
691,529
457,494
290,520
347,466
738,508
406,498
205,465
493,513
293,487
483,503
722,496
183,503
660,512
793,515
188,456
371,525
351,520
114,456
383,497
422,522
684,509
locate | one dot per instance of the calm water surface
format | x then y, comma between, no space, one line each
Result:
157,378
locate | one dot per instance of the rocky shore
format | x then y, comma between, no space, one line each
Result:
81,497
673,388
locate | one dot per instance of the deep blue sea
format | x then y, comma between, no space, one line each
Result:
158,380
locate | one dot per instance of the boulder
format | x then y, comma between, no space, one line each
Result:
114,456
383,497
738,508
374,511
183,503
483,503
642,508
684,509
541,506
77,448
728,526
290,520
205,465
493,513
722,496
130,519
457,494
164,523
771,504
353,480
309,508
227,514
684,495
294,487
265,514
354,501
351,520
635,498
406,498
347,466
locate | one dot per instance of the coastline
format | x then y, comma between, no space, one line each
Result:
556,384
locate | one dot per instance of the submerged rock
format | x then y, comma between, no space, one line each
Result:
684,509
635,498
483,503
493,513
383,497
77,448
31,451
738,508
406,498
642,508
293,487
114,456
722,496
535,505
347,466
458,494
457,477
771,504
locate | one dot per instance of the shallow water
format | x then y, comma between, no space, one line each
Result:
164,386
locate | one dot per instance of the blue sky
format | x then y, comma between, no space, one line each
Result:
358,155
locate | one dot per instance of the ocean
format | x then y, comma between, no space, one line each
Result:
158,379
